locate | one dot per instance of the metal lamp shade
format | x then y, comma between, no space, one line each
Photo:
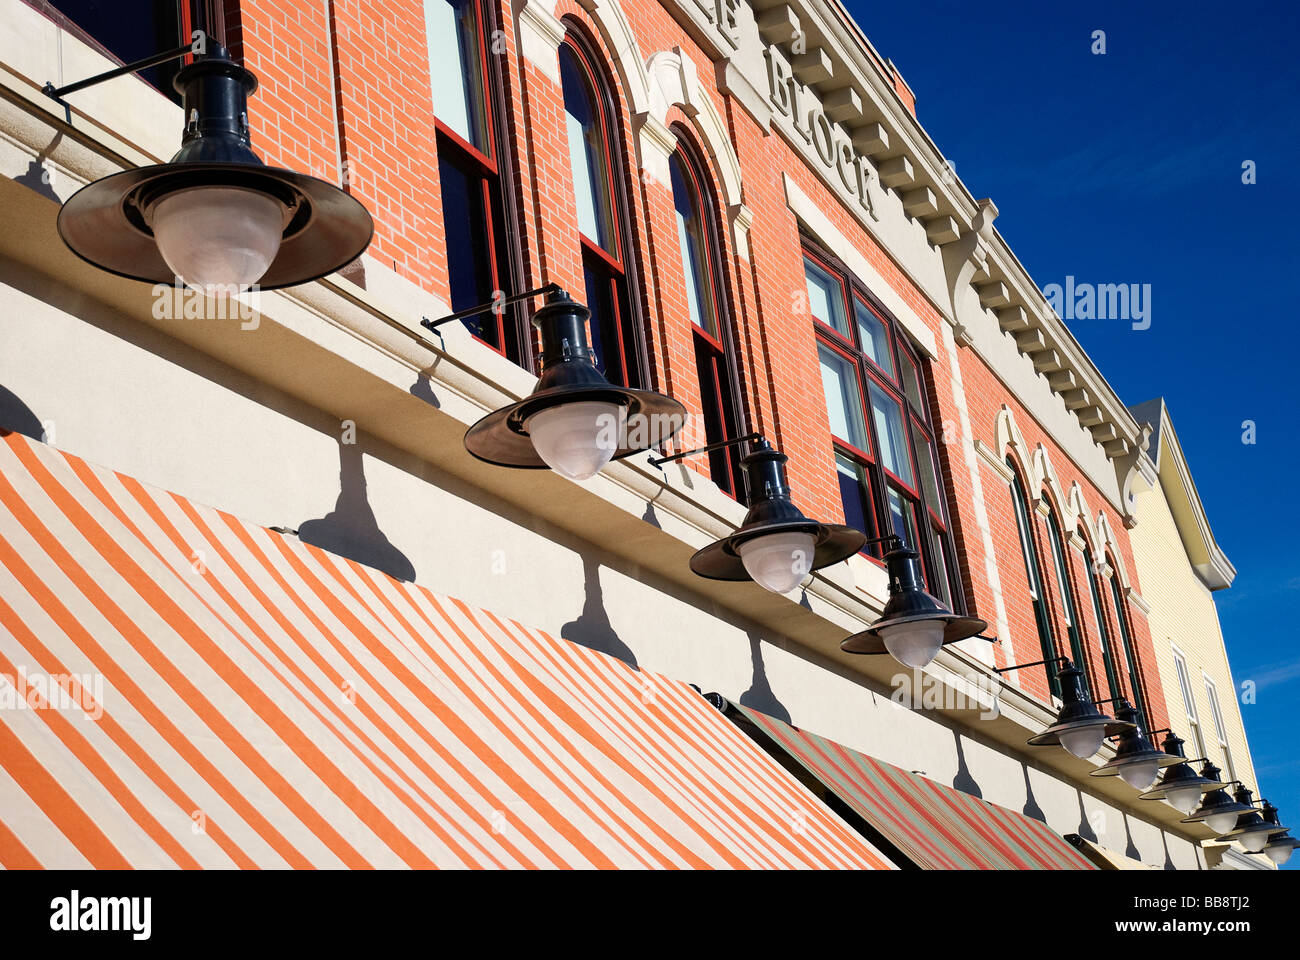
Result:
1249,823
908,602
106,222
1281,841
771,510
1078,712
1216,802
1134,746
1253,821
1179,775
569,376
1269,813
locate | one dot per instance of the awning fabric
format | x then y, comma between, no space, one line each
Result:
935,826
1104,857
267,704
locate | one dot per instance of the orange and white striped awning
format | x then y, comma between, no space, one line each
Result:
252,701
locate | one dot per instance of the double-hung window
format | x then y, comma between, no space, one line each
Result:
1034,576
1220,731
698,241
1130,655
1103,628
1068,608
472,151
1189,702
880,422
595,162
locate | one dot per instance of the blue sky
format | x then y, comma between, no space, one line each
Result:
1127,168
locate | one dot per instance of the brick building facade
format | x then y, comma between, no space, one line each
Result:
808,150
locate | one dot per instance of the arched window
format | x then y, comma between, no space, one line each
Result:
471,157
1034,575
596,162
1068,607
879,409
1130,655
1113,682
698,242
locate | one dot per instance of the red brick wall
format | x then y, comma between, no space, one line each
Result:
346,81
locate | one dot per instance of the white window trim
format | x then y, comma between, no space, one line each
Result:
1189,697
1220,727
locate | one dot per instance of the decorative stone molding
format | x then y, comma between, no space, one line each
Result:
963,258
1047,472
540,35
1135,598
656,142
617,33
736,83
991,458
672,81
1007,434
741,218
1082,514
1108,546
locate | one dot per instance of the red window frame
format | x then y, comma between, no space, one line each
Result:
620,331
483,169
1137,683
928,520
714,357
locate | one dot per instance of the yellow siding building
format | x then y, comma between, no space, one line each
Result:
1180,565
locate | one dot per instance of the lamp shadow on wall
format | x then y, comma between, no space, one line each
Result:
423,389
350,529
36,177
1169,858
1130,850
963,780
1031,807
17,417
759,696
1085,825
592,628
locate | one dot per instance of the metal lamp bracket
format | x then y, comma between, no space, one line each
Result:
198,46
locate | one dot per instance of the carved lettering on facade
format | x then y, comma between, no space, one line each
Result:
822,141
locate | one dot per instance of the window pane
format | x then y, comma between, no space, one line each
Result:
1027,547
927,467
939,576
902,518
1127,642
715,399
875,341
130,30
912,386
1034,577
1077,653
1107,653
469,256
888,419
455,71
825,297
602,327
1213,696
1189,703
693,242
586,152
855,493
843,402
